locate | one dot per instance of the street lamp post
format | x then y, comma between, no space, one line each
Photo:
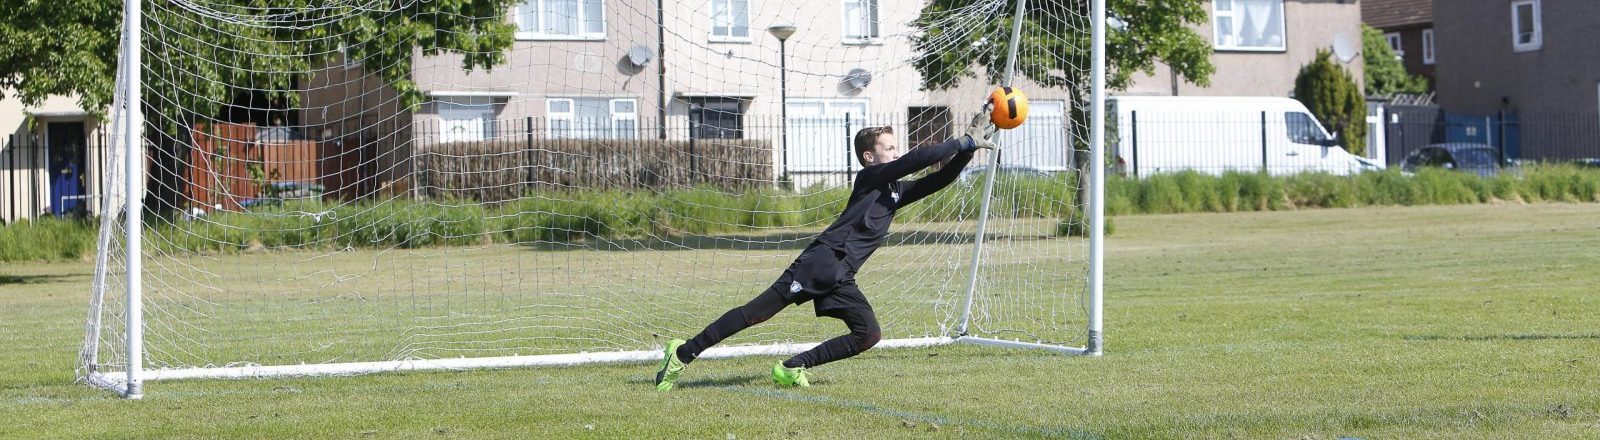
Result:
783,31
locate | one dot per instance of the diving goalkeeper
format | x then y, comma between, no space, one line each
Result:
825,272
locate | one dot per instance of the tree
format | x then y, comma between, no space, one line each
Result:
70,47
1330,92
1385,75
1056,42
1055,50
234,54
59,48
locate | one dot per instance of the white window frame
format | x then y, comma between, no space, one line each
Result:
450,109
619,116
349,62
1044,141
871,22
551,116
1427,46
1538,27
1396,44
1233,15
804,156
538,12
829,103
571,116
711,8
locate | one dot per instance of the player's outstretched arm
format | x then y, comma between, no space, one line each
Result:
936,181
915,160
977,137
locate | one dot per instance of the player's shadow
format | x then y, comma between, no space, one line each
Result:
714,381
725,381
762,242
32,279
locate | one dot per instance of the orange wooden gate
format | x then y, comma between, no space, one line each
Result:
228,166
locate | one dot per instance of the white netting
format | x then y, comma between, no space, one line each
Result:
326,183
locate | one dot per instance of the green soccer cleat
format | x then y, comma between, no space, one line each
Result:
671,367
789,377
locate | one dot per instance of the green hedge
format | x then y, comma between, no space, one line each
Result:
47,239
578,215
1193,192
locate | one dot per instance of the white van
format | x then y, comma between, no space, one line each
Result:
1165,134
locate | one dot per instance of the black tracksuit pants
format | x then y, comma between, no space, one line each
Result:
863,325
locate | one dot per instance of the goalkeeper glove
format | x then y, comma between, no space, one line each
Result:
979,132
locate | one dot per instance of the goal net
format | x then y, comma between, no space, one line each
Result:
350,186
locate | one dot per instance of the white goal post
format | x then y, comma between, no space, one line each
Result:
624,173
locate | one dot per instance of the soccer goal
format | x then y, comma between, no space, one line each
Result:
334,187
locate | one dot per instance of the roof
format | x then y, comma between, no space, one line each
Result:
1390,14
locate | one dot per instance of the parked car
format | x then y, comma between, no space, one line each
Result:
1480,159
1213,135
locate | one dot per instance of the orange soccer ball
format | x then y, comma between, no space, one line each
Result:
1009,107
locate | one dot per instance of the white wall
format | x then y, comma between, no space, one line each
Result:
818,59
24,168
696,64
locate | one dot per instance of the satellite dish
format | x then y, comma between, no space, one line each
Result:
639,55
1344,48
858,78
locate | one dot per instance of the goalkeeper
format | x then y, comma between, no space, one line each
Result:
825,272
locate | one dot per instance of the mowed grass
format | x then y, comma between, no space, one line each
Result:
1429,322
291,307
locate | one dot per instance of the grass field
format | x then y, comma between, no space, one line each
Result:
1429,322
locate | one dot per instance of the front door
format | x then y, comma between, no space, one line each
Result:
66,144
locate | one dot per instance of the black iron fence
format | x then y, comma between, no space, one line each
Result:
492,159
40,176
1287,142
476,155
1527,136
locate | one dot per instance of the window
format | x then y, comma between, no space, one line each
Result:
1043,142
1413,161
861,21
1249,25
466,118
1303,129
1395,43
927,126
624,118
1527,33
561,20
730,20
1427,46
593,118
349,57
1435,157
820,132
1428,157
716,118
